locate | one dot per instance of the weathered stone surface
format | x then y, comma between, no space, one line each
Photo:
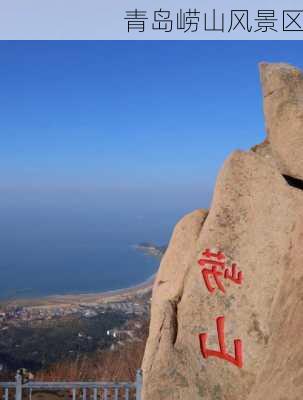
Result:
282,373
256,220
283,109
168,289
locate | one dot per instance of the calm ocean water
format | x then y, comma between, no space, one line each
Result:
69,249
57,241
85,268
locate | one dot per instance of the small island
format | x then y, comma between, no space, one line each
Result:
151,249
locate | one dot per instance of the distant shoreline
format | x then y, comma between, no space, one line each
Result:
91,297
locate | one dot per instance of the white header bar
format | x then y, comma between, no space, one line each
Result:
150,20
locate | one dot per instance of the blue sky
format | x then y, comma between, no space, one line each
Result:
144,122
107,144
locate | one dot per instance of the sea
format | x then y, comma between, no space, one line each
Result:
47,249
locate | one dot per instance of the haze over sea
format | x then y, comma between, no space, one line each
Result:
107,144
71,241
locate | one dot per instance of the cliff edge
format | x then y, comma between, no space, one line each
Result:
227,303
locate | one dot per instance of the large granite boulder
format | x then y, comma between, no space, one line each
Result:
228,298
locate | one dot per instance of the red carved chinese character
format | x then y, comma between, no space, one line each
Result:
219,256
234,276
217,270
214,260
237,360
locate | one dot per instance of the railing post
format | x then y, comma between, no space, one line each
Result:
18,394
138,384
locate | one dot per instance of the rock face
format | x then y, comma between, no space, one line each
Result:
283,107
227,308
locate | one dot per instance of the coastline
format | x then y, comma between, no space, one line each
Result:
83,298
75,299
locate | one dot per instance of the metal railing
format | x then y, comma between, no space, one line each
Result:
76,390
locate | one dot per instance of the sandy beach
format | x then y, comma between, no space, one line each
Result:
83,298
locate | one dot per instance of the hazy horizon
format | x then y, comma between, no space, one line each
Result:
108,144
